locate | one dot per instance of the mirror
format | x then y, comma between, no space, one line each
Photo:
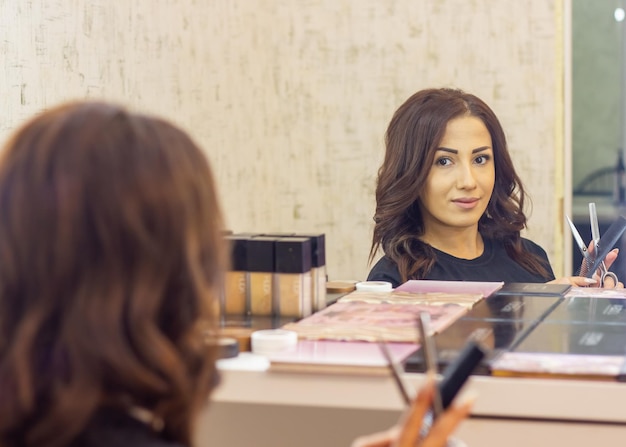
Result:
598,114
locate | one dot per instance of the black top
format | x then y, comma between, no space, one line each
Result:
493,265
110,427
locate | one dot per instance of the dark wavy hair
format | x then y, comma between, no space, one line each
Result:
413,136
112,259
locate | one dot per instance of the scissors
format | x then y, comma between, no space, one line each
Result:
590,259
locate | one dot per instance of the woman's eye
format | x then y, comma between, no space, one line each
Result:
443,161
482,159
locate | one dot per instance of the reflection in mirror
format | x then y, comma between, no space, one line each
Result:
599,111
597,93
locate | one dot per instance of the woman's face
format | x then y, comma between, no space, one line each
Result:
461,179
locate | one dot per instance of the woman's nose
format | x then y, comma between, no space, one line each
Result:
466,178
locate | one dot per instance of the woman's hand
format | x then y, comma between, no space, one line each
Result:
407,432
581,281
578,281
608,261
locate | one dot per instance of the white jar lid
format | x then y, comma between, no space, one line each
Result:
245,361
374,286
268,341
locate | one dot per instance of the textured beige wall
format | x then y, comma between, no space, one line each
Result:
291,98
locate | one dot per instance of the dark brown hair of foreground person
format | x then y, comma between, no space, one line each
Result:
111,255
412,138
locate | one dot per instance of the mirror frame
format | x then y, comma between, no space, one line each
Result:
566,114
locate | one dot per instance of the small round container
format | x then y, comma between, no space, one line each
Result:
337,288
341,286
241,334
245,361
227,347
374,286
270,341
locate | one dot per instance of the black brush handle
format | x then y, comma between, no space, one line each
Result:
457,372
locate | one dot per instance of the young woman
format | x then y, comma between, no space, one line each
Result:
112,258
111,254
449,204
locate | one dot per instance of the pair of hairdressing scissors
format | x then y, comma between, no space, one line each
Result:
590,258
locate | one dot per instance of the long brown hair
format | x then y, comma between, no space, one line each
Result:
111,255
412,138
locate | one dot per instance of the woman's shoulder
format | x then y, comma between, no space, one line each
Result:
110,427
385,269
533,247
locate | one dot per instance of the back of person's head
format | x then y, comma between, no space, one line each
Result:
111,257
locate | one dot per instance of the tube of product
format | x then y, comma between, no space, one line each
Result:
235,282
318,270
260,275
292,294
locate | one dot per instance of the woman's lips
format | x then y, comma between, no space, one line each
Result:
466,203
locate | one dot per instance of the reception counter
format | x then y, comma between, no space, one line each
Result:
265,408
272,407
